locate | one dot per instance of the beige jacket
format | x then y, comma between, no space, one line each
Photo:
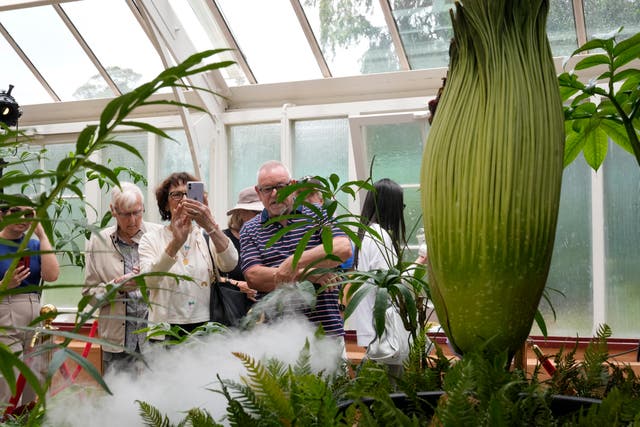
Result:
105,263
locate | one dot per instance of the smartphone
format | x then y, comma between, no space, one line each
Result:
195,190
25,260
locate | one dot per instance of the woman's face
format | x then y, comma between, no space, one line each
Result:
176,194
246,215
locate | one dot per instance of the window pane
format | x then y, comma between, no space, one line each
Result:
28,89
67,233
364,48
561,28
198,22
321,147
571,271
425,29
127,54
397,149
52,48
249,147
119,157
276,50
175,156
604,17
622,234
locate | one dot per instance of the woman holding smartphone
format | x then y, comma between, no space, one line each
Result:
20,309
180,248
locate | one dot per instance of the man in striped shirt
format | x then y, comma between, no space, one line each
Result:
267,268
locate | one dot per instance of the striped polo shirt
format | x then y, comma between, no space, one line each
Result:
253,241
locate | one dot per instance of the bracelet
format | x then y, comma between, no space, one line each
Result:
213,230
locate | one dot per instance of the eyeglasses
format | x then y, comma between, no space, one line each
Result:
177,195
268,190
26,213
135,214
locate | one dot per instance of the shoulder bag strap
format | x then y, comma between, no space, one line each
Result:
213,263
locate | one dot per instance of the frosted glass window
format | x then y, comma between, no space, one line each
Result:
116,157
249,147
175,156
396,152
321,147
425,29
561,28
397,149
622,234
364,48
571,271
604,17
66,232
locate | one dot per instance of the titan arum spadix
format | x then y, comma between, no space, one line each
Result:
491,174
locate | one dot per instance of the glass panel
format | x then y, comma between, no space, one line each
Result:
622,234
198,22
175,156
28,89
68,233
604,17
276,51
364,48
397,149
52,49
127,54
249,147
561,28
425,29
116,157
571,271
321,147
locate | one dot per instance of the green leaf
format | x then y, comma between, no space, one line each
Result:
592,45
327,239
632,74
147,127
592,61
617,133
627,55
573,144
84,139
595,147
379,308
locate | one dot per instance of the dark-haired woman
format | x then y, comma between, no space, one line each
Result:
180,248
383,212
20,309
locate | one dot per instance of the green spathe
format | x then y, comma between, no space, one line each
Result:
491,174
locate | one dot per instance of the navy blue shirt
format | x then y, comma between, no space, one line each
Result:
34,261
253,240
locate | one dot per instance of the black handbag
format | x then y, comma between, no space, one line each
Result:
228,304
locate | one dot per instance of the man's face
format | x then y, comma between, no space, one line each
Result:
269,182
129,220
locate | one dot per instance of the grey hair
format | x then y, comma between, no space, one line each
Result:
270,165
125,196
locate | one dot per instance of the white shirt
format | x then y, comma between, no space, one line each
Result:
373,255
181,301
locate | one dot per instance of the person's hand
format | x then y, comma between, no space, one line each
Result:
39,232
328,279
126,281
284,274
200,213
244,287
19,274
180,225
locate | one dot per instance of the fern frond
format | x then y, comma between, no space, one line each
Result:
266,387
151,416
